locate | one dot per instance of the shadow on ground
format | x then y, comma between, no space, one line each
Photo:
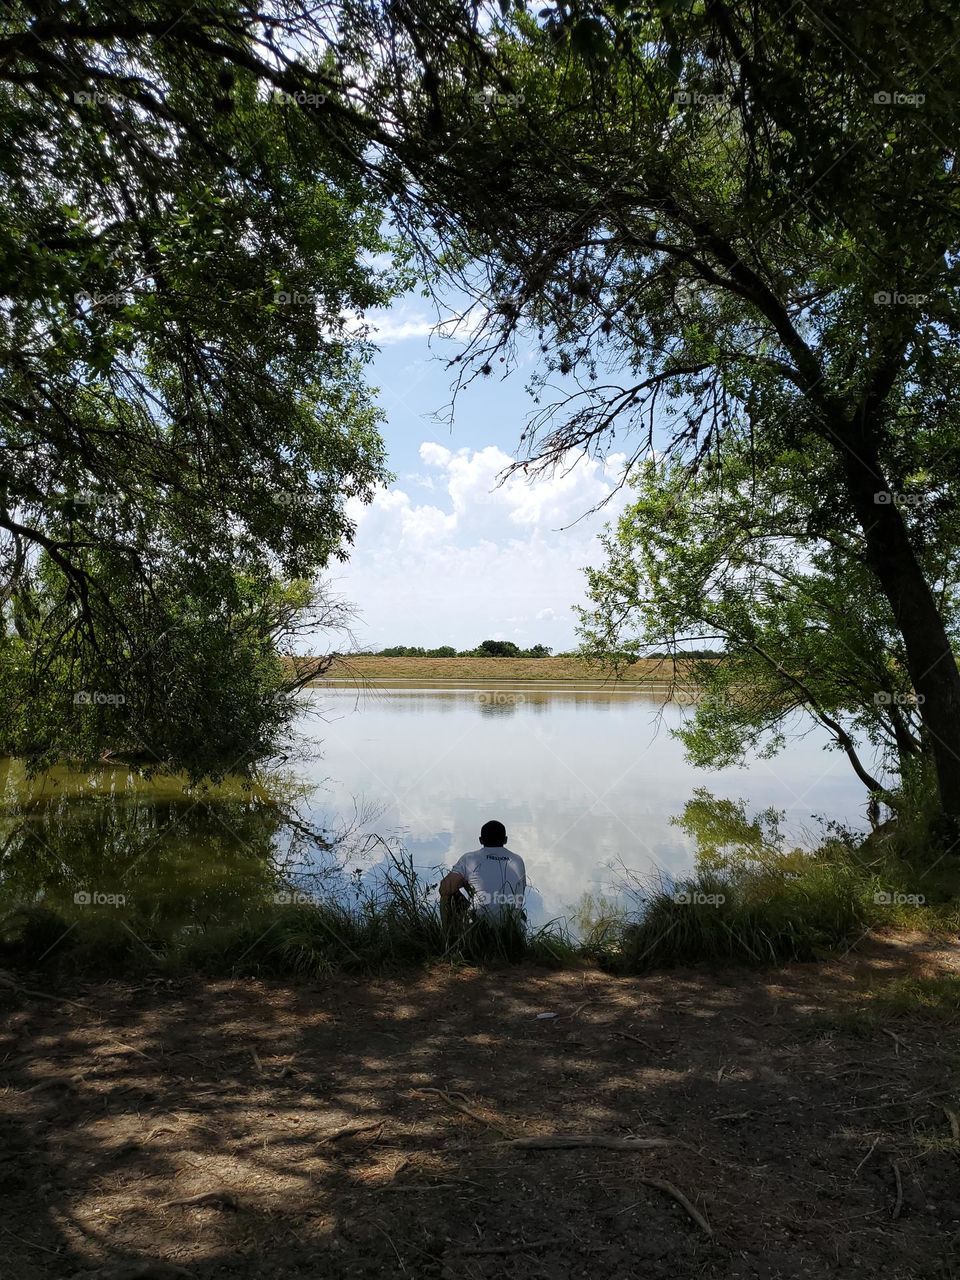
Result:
311,1119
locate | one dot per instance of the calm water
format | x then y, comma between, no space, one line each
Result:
585,779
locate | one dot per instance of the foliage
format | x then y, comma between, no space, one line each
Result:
197,680
731,556
720,222
753,901
497,649
392,927
184,264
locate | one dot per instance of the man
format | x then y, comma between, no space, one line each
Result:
493,876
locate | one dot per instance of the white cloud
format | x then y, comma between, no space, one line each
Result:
479,558
401,322
391,328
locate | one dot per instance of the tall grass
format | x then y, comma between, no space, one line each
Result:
394,926
750,900
743,919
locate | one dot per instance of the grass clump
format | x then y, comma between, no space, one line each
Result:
932,996
751,900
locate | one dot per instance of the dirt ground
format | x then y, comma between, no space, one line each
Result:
352,1128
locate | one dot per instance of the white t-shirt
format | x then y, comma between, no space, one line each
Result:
497,877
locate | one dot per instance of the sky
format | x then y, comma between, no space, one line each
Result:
443,555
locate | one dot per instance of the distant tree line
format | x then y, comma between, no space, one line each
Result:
507,649
486,649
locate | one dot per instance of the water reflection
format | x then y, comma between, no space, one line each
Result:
155,851
586,780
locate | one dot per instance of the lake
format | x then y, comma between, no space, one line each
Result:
585,778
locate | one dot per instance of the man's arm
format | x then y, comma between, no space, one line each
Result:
452,883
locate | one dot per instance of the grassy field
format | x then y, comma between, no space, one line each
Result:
366,667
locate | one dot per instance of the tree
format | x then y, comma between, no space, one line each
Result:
797,621
537,651
740,217
497,649
183,263
203,677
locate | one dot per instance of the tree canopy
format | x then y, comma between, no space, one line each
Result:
184,266
731,221
796,620
734,222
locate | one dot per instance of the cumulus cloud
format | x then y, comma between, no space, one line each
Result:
402,322
483,555
389,329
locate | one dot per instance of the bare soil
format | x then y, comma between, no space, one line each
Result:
214,1129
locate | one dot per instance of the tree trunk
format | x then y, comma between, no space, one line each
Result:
931,662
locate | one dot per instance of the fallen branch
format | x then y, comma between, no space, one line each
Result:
8,982
867,1156
681,1199
580,1008
474,1251
214,1199
625,1035
426,1186
155,1270
566,1141
899,1204
897,1040
466,1110
32,1243
350,1131
954,1120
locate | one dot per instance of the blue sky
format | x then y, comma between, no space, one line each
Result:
444,556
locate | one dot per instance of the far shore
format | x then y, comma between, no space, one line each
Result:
365,667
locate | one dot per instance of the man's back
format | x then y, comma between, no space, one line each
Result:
497,877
